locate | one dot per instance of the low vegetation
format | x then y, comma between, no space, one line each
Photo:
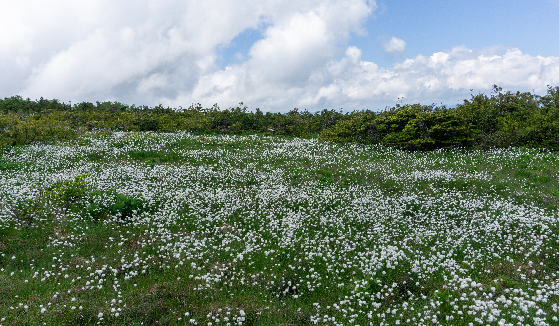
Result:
500,120
153,228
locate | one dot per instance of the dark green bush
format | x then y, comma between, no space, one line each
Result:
126,206
513,119
413,127
501,120
102,204
361,127
68,192
6,165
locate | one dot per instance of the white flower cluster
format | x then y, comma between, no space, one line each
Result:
264,215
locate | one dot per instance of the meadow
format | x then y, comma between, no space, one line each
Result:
146,228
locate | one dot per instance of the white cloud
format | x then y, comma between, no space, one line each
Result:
394,45
282,64
150,52
352,83
446,77
153,83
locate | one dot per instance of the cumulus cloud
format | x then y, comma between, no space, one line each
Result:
394,45
281,64
151,52
119,47
443,76
353,83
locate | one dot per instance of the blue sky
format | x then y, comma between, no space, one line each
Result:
276,55
433,26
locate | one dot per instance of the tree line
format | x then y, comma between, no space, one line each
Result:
500,119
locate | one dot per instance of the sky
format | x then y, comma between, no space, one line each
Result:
276,55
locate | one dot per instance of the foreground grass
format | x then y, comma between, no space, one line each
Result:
175,229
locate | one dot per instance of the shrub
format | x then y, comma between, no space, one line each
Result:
68,192
359,128
102,204
500,120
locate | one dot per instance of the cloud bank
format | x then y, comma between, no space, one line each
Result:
151,52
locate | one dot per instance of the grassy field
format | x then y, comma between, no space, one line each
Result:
181,229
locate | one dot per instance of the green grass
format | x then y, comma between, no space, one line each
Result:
148,228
